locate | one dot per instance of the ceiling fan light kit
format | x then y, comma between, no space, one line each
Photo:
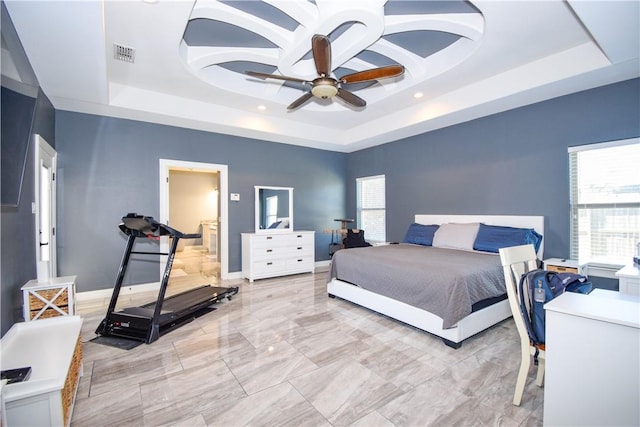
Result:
325,86
325,89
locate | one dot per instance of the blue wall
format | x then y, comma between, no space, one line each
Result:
18,260
514,162
108,167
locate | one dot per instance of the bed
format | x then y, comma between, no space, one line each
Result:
393,279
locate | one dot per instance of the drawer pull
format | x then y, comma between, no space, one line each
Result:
299,235
299,247
269,263
269,237
300,260
269,250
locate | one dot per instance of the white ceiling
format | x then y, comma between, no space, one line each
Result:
468,60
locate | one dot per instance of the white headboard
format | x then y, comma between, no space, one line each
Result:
535,222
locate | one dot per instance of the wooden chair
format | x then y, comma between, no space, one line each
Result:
516,261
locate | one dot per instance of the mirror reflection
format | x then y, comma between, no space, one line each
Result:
274,209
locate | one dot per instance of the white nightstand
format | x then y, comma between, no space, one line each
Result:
563,265
629,277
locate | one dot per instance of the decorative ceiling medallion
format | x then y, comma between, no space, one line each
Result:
223,39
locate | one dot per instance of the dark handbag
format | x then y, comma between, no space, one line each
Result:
355,239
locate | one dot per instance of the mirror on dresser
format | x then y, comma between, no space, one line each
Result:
274,209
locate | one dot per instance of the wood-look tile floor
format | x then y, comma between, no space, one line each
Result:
283,353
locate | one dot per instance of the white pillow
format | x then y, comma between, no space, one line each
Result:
456,236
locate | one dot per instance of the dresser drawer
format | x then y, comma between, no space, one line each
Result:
280,240
278,252
278,267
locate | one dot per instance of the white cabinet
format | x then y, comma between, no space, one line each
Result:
49,298
629,279
53,350
277,254
592,360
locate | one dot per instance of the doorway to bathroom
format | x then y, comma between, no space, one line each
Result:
193,199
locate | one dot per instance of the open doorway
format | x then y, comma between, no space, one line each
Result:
193,199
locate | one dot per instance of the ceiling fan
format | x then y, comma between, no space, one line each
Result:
325,86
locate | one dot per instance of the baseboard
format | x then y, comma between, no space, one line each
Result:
125,290
323,265
320,266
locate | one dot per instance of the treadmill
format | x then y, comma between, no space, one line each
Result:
148,322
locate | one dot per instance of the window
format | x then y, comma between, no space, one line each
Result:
605,201
371,207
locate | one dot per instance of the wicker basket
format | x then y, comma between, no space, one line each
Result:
69,390
36,304
49,312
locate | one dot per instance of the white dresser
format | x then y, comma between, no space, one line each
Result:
277,254
592,360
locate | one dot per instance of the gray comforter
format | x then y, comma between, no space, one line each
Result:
444,282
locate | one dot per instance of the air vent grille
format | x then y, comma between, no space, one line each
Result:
123,53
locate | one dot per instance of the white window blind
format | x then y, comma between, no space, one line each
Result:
371,207
605,201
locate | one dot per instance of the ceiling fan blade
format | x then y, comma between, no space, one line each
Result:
274,76
298,102
373,74
321,48
350,98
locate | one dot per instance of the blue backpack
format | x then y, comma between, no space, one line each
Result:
538,287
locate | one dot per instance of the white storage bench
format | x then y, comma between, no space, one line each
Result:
53,350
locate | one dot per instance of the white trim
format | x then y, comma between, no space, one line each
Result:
42,150
125,290
223,228
322,266
367,178
599,145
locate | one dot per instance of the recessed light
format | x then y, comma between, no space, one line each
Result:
262,107
418,95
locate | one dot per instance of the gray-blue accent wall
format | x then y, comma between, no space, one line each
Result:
18,251
512,163
108,167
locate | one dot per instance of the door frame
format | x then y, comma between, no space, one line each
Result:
223,222
44,151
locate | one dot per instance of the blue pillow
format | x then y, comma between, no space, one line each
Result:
490,238
420,234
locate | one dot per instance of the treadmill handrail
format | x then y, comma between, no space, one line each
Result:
146,226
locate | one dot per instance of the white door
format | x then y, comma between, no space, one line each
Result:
45,209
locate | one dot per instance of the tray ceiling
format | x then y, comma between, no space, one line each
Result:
183,63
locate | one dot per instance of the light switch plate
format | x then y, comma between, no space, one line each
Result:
235,197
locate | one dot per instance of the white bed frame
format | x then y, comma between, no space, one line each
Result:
472,324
